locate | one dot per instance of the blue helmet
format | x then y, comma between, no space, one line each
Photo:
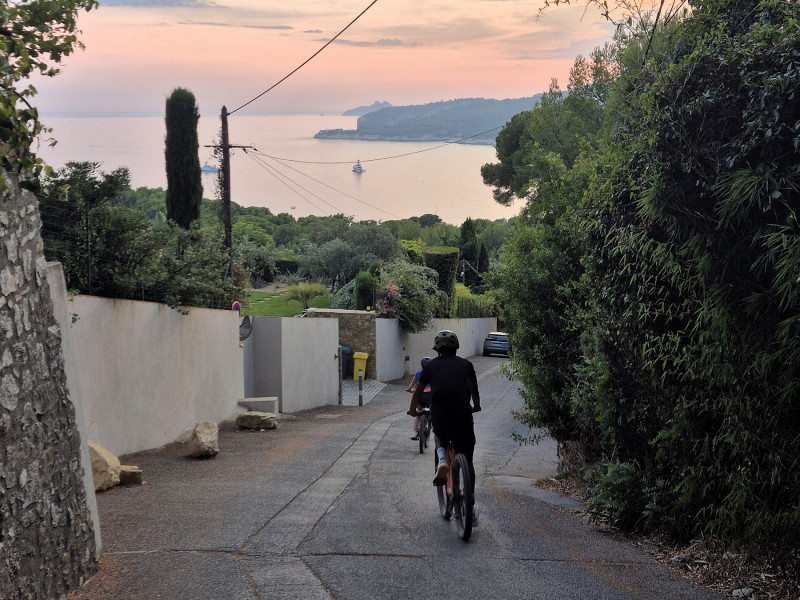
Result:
425,361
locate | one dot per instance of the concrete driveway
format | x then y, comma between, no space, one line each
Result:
338,504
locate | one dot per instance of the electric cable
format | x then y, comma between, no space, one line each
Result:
273,86
278,175
325,184
286,182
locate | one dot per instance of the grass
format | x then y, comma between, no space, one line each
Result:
267,304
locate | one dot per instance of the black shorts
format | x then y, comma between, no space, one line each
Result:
457,429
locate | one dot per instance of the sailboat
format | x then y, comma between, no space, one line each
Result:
357,168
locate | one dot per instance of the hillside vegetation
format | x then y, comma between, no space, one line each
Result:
469,121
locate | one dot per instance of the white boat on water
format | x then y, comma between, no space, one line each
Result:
357,168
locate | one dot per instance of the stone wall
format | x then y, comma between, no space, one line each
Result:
47,543
356,330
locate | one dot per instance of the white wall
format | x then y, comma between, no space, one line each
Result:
470,332
147,373
310,364
247,365
390,359
265,356
296,360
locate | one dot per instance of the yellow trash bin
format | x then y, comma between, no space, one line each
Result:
360,364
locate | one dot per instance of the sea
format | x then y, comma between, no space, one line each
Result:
282,167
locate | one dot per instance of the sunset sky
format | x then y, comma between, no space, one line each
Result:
400,51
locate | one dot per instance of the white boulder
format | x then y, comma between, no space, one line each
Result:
105,467
205,440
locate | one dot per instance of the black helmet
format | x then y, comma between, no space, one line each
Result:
425,361
445,339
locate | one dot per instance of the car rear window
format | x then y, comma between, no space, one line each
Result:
498,337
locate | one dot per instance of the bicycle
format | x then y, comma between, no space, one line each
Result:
424,428
456,496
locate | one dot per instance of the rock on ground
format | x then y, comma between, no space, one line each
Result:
105,467
205,440
256,420
130,474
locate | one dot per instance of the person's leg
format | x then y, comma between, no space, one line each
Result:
439,446
440,433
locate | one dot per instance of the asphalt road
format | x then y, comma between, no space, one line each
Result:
338,504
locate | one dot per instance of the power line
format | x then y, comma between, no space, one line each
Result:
326,185
280,177
273,86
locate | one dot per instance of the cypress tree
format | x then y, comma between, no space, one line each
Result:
483,259
184,188
468,246
364,290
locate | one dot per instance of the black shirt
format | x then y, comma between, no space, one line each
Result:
453,383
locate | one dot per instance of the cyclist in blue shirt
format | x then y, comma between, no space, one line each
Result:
425,399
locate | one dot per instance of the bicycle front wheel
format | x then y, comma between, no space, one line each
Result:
463,500
423,427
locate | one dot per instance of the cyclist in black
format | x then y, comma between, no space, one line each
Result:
453,383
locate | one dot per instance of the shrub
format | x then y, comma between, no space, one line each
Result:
345,297
407,292
415,250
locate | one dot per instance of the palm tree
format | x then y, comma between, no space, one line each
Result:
305,293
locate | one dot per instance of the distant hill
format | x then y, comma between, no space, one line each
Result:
468,121
362,110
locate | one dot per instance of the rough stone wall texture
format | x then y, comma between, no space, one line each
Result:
356,330
46,537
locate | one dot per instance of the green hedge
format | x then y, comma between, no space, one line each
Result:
443,260
286,265
474,308
415,250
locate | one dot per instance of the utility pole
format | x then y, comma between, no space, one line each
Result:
226,183
464,265
227,220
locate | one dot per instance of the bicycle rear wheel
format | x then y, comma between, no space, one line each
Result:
463,500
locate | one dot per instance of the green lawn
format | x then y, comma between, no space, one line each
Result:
266,304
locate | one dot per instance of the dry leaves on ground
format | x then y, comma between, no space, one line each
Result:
703,562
